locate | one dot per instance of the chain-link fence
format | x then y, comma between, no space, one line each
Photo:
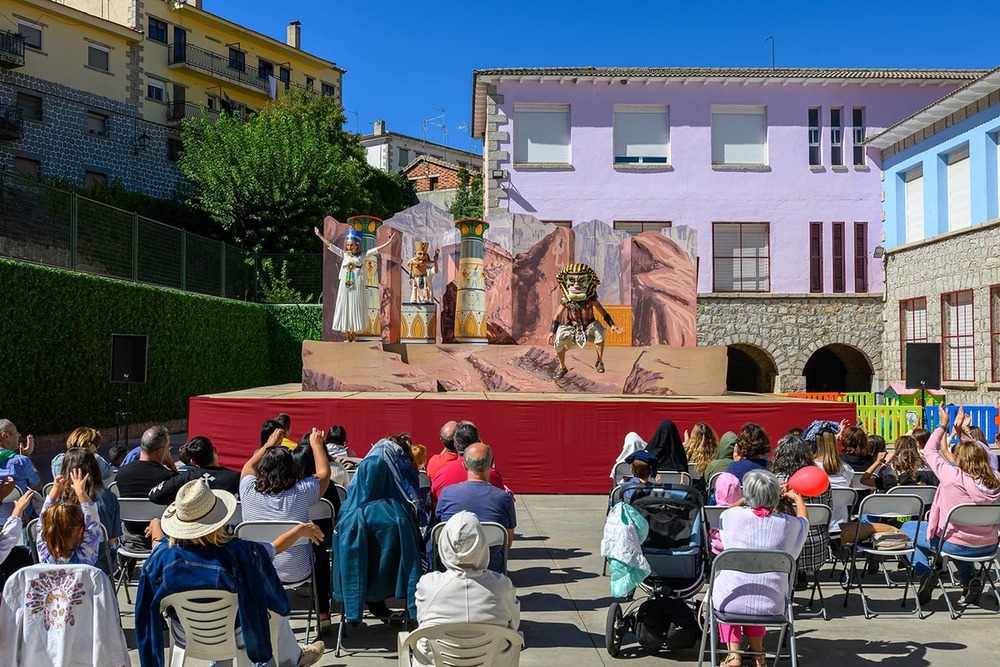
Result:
46,225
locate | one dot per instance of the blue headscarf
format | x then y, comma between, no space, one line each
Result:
643,455
818,427
403,473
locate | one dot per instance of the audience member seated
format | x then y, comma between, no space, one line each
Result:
15,464
791,455
903,466
467,591
856,451
203,463
633,443
828,459
727,492
447,453
668,449
964,478
108,509
643,468
395,451
336,443
375,547
963,430
284,422
305,460
723,456
466,433
749,451
69,532
194,551
85,438
700,447
13,556
136,480
271,490
753,523
117,454
478,496
876,444
419,453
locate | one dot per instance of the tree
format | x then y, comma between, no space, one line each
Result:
469,197
270,178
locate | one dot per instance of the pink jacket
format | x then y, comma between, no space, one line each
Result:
956,488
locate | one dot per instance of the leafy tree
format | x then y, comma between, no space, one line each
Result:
270,178
469,197
276,286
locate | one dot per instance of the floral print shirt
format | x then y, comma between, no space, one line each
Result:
88,550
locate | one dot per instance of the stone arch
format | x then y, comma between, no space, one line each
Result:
838,367
750,368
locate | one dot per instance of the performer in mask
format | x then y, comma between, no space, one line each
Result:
574,321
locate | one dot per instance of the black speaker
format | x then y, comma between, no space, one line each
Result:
923,365
128,358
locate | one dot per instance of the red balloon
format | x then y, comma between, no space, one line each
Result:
809,481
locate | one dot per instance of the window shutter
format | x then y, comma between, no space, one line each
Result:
914,205
739,136
641,133
541,134
959,212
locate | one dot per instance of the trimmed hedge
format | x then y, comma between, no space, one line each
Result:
55,347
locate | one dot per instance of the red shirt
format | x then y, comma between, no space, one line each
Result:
454,473
438,461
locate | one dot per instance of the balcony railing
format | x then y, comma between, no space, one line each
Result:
11,122
215,65
11,49
178,111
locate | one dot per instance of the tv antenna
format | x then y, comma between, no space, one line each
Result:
428,122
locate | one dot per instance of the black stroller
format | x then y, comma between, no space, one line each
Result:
677,549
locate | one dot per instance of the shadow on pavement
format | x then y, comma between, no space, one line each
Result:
543,634
545,576
542,602
546,553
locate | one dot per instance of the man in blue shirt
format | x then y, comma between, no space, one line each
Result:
14,462
478,496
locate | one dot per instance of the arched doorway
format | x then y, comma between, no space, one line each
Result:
838,367
750,369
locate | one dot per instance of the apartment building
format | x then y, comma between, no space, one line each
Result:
769,166
392,151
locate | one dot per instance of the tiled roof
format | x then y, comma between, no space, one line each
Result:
432,160
741,72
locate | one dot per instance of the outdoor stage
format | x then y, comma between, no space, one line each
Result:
542,443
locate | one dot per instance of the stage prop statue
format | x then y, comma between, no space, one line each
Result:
574,321
421,269
349,315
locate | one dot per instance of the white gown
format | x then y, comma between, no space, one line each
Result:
349,313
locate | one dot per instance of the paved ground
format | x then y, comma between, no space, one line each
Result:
556,566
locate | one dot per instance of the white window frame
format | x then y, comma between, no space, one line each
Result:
652,152
959,192
103,49
156,83
913,214
814,135
858,134
34,26
523,151
743,256
719,151
837,137
97,116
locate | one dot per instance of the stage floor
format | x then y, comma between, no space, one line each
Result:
542,443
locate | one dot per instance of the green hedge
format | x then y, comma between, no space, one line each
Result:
55,346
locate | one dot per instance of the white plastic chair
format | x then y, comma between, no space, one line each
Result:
750,561
268,531
341,493
496,536
208,618
462,644
970,515
138,510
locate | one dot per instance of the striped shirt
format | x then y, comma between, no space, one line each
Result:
295,564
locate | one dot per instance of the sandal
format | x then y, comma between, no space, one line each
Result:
732,660
599,366
561,373
759,659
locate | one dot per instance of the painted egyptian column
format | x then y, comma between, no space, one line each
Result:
368,225
470,302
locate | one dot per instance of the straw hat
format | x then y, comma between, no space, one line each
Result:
197,511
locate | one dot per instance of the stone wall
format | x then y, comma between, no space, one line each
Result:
967,259
789,328
61,143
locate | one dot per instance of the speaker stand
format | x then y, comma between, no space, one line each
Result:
923,405
124,414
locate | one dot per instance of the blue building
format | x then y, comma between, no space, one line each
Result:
941,213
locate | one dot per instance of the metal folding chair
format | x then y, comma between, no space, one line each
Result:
970,515
819,516
754,562
138,510
885,505
32,532
840,496
113,488
622,471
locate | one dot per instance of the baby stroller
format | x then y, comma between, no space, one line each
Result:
677,549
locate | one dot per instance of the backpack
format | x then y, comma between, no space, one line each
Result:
666,623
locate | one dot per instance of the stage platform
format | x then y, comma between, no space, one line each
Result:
542,443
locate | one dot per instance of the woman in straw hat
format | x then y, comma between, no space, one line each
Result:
193,550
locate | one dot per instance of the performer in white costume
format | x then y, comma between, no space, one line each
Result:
349,313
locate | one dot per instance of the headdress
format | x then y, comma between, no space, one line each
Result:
353,236
578,269
421,246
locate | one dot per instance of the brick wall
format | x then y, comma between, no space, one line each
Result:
424,173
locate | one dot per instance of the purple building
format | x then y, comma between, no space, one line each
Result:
766,165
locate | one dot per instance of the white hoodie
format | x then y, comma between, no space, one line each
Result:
467,592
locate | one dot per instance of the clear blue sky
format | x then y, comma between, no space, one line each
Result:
407,60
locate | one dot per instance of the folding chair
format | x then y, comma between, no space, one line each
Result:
46,489
841,496
473,644
32,532
885,505
341,493
424,478
672,477
622,471
925,493
113,488
819,516
12,496
758,562
268,531
856,481
496,536
138,510
713,514
970,515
